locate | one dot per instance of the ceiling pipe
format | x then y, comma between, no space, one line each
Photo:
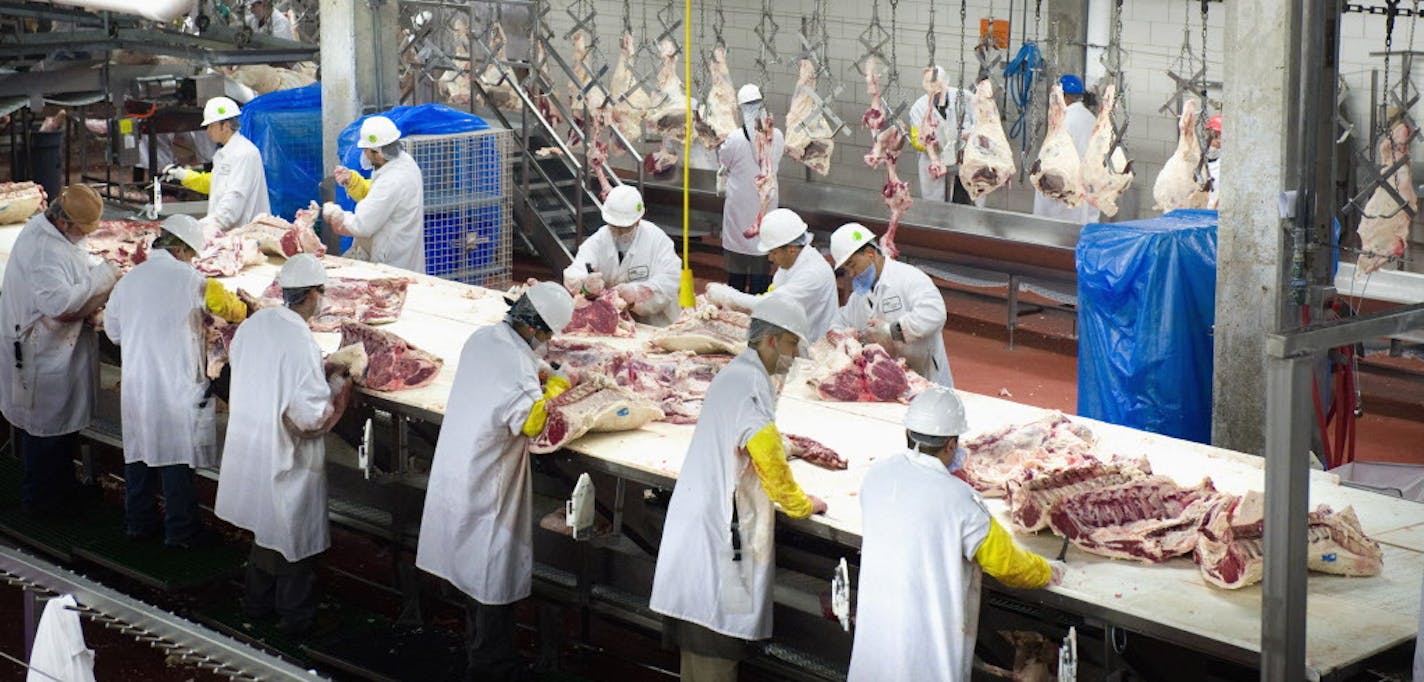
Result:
154,10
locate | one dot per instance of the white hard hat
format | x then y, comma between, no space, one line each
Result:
553,303
936,411
847,239
300,271
779,228
748,93
377,132
783,312
624,206
186,228
219,109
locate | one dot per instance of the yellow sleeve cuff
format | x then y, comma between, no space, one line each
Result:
915,139
768,453
539,414
358,187
1011,564
199,182
224,303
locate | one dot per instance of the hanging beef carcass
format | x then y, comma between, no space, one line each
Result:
988,159
895,192
764,144
582,77
1183,182
1056,172
718,117
669,117
874,117
809,138
1105,177
543,100
1384,225
630,102
929,126
498,89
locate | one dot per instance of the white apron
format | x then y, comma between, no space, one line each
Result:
811,283
739,209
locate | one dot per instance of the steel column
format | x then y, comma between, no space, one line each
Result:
1287,495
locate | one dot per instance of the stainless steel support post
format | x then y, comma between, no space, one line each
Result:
1283,600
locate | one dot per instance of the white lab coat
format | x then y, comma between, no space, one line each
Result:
739,210
696,579
1080,127
273,481
238,192
917,611
650,260
932,188
155,314
392,216
1213,168
477,527
905,294
811,283
277,25
59,652
52,392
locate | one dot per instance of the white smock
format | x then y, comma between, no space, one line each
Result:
932,188
277,25
273,480
696,579
238,190
51,393
477,527
811,283
59,652
739,210
1213,169
917,609
905,294
1079,122
651,260
155,314
392,215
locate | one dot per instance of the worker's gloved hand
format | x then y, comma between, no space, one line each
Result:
1059,569
593,284
878,331
342,175
105,276
548,371
720,295
818,505
176,173
634,293
334,216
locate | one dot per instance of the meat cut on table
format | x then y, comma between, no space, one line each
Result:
19,201
393,364
595,405
1150,519
281,238
844,370
812,451
705,329
1106,172
1184,182
1050,442
377,300
988,161
809,137
1056,172
1032,493
676,381
603,315
124,243
1385,221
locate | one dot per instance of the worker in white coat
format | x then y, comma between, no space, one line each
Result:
155,314
747,268
389,221
1079,122
925,538
713,585
59,651
237,185
1213,158
633,256
893,304
262,18
802,273
48,350
477,528
273,476
948,102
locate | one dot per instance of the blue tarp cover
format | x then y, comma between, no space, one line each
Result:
424,119
286,128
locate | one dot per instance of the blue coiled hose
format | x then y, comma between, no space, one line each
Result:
1018,76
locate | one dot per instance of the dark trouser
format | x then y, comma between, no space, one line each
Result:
751,284
287,588
706,655
489,641
48,484
181,519
747,273
959,195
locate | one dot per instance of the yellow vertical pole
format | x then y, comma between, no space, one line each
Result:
687,294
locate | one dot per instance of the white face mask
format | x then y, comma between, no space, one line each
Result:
958,462
1213,153
750,112
623,242
365,162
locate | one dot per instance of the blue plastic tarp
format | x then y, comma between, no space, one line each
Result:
1146,306
424,119
286,128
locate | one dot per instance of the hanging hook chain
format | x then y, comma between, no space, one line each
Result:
930,34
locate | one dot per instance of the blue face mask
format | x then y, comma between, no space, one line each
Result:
864,281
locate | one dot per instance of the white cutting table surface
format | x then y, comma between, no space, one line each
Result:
1349,618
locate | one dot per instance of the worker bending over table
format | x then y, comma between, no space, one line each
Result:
801,273
633,256
389,221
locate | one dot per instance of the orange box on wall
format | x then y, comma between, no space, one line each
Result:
1000,28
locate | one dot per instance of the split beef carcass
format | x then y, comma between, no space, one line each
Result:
1032,493
1384,224
1052,441
764,143
705,329
1231,553
393,364
630,101
377,300
498,89
1056,172
603,315
600,120
595,405
719,116
813,451
669,115
19,201
844,370
988,159
582,78
929,126
1183,182
895,192
1106,172
874,117
1150,520
809,137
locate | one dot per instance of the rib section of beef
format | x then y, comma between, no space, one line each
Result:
676,382
705,329
393,364
1149,520
595,405
1034,492
813,451
603,315
378,300
844,370
1051,442
1231,549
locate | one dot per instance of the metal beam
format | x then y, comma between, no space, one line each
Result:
1336,333
1283,596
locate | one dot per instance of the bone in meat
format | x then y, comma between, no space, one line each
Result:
1384,226
1105,179
596,405
719,117
929,127
705,329
896,193
393,364
1032,493
809,138
765,181
813,452
604,315
378,300
1149,520
844,370
19,201
1056,172
1183,182
988,159
875,116
1050,442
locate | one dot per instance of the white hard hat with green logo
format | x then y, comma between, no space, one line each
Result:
377,132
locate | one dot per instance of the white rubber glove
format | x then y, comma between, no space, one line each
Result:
1059,569
593,284
342,175
634,293
175,173
105,276
719,294
878,331
334,216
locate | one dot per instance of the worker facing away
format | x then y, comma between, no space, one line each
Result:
237,185
925,538
802,273
262,18
948,109
49,358
273,476
389,221
714,586
155,315
631,255
891,303
1213,159
477,528
1079,122
747,268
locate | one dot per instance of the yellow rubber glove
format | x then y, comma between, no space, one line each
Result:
539,414
199,181
768,454
1011,564
915,139
358,187
224,303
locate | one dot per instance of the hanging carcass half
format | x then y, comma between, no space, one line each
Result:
1183,182
1384,225
809,137
1105,178
988,160
1055,174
